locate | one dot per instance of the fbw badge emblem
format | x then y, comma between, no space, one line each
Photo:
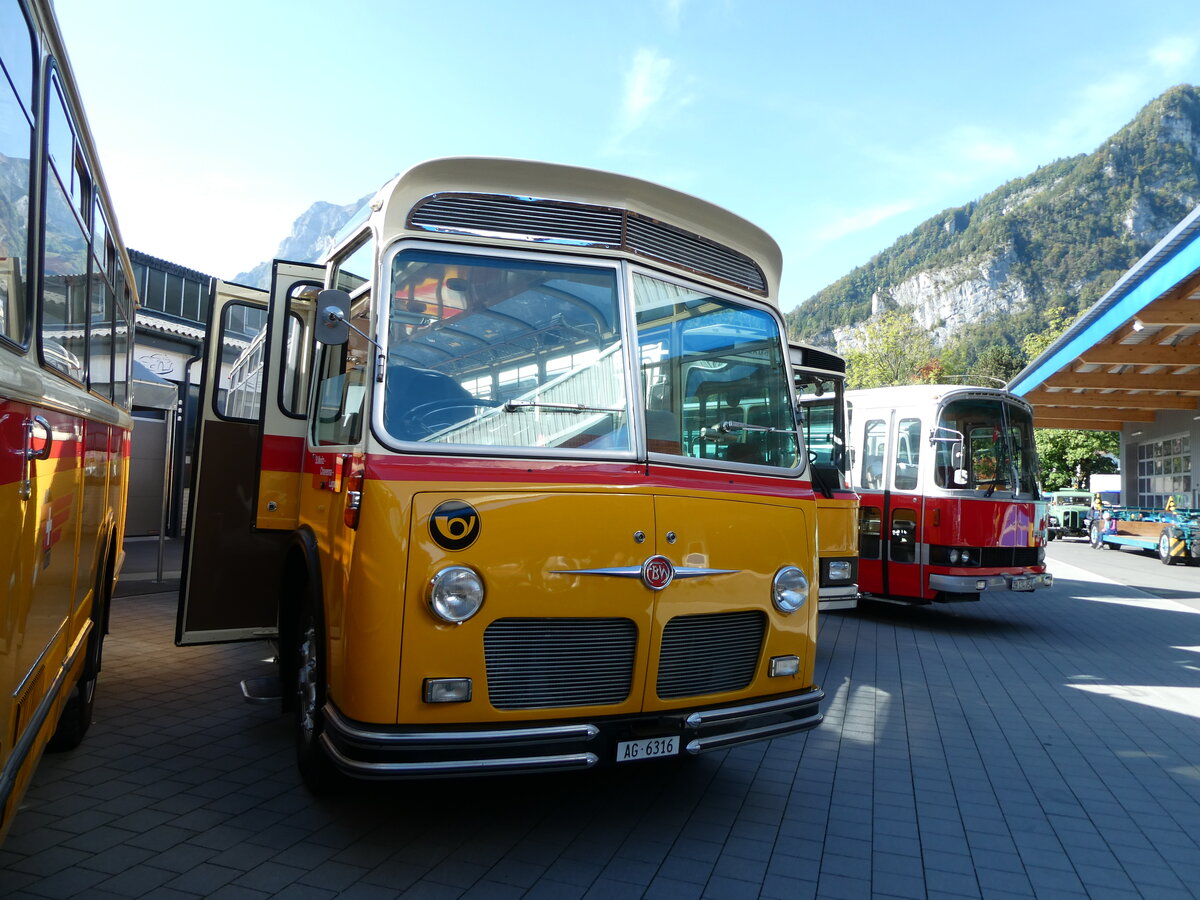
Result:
454,525
657,572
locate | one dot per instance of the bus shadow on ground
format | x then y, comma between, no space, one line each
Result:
957,618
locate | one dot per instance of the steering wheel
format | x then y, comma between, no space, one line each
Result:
426,418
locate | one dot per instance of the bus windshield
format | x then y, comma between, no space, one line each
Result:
996,451
714,377
499,352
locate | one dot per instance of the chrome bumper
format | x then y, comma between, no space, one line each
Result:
974,584
390,752
843,597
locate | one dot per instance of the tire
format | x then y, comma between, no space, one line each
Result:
1164,548
1095,539
77,712
308,658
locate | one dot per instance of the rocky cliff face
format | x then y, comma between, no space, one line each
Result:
1059,236
945,301
311,238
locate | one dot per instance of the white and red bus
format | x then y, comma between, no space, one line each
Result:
66,312
951,504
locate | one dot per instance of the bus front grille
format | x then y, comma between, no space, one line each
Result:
547,663
1005,557
709,654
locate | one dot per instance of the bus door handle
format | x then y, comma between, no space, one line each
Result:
30,453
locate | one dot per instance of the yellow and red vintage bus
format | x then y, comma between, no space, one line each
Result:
820,378
66,313
523,488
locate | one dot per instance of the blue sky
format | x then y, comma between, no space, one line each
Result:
836,127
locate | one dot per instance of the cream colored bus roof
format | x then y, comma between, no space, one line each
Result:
550,181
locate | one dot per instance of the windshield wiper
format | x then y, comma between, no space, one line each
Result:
518,405
732,425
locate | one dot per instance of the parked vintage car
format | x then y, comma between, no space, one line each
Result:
1069,515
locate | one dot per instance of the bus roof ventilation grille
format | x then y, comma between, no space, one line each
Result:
560,222
819,359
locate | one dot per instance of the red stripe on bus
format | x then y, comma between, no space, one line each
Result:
381,467
282,453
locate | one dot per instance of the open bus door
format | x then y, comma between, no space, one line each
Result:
247,459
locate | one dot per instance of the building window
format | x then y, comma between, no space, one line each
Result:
1164,469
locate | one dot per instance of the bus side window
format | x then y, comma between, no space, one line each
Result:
908,454
239,395
15,118
295,381
337,419
870,530
874,443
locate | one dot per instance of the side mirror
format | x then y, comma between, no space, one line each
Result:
960,476
333,314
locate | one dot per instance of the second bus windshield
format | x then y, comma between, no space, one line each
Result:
997,451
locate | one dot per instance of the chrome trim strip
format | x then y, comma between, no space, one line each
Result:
460,766
831,592
636,572
709,716
831,605
581,732
702,745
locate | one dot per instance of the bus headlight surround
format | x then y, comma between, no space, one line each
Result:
839,570
455,594
789,589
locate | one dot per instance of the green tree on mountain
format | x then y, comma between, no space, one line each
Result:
893,349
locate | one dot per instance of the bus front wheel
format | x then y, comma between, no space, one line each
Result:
309,708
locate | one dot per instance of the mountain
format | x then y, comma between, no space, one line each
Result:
311,238
990,271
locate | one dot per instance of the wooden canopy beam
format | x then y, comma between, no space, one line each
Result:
1130,381
1170,312
1073,425
1142,355
1118,399
1085,414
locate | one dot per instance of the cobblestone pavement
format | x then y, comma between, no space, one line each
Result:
1032,745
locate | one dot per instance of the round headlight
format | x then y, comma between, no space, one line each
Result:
455,594
953,556
789,589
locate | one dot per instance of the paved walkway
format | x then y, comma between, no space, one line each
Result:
1037,745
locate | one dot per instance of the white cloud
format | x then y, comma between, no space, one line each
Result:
979,148
1174,54
860,220
646,84
673,12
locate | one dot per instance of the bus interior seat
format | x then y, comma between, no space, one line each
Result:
873,472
